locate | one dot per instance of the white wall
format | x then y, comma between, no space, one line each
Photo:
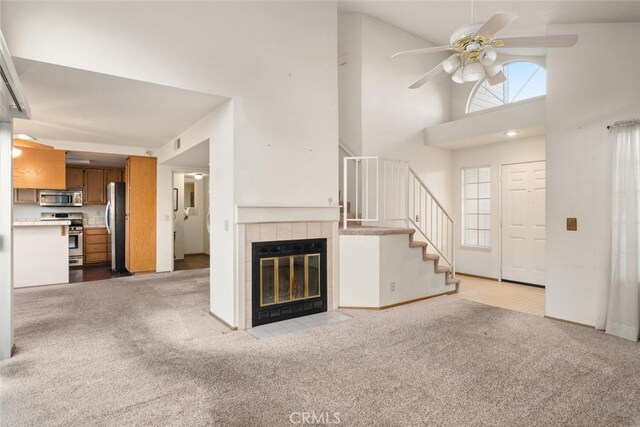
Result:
480,261
218,128
350,81
393,117
278,59
589,87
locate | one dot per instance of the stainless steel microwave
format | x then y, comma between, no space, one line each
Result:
60,197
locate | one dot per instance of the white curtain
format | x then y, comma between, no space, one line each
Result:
620,310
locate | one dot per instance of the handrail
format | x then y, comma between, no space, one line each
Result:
345,149
443,256
435,199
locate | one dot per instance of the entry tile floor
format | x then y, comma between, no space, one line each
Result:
298,324
512,296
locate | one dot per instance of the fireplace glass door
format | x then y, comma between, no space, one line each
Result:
289,278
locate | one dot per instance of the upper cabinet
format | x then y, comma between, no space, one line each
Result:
39,168
93,182
94,187
113,175
75,177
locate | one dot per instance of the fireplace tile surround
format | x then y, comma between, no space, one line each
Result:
276,231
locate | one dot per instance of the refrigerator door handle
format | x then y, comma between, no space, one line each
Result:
107,218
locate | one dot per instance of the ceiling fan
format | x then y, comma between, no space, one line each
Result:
475,47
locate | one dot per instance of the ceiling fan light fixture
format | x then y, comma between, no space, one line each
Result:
452,63
493,69
472,72
488,56
457,76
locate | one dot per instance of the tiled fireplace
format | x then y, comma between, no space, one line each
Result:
288,270
289,279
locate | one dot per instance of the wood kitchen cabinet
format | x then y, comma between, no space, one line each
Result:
75,178
97,245
112,175
93,182
140,220
94,187
40,168
25,196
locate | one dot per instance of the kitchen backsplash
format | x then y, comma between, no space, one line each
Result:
93,215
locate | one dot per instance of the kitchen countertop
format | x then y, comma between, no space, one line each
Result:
39,223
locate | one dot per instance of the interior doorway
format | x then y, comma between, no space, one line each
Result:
523,243
191,219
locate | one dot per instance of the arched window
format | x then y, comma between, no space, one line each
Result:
524,80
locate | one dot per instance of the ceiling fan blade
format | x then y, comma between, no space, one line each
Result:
428,76
565,40
497,79
497,22
419,51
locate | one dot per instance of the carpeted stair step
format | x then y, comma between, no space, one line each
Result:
418,244
431,257
451,280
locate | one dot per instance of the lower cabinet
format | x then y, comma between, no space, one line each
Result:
97,246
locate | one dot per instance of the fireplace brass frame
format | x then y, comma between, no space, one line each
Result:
276,278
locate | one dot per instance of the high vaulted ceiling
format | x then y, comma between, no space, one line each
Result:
435,21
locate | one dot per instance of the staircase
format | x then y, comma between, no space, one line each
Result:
389,198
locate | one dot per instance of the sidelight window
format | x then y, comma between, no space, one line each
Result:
476,207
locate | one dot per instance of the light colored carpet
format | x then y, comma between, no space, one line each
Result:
143,351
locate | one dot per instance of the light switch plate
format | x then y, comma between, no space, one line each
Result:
572,224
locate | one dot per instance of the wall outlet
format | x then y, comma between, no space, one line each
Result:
572,224
393,286
417,218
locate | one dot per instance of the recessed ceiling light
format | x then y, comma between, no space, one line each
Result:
16,152
512,133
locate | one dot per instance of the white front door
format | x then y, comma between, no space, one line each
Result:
523,222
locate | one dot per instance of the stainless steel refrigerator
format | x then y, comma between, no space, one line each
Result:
115,220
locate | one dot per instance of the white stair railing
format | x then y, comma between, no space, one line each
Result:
429,217
371,188
383,190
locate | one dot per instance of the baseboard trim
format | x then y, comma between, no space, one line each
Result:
384,307
233,328
477,276
570,321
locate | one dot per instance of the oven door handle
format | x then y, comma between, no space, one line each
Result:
106,216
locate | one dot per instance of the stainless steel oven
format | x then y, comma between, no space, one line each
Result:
75,245
60,197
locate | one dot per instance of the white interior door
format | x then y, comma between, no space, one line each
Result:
523,222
